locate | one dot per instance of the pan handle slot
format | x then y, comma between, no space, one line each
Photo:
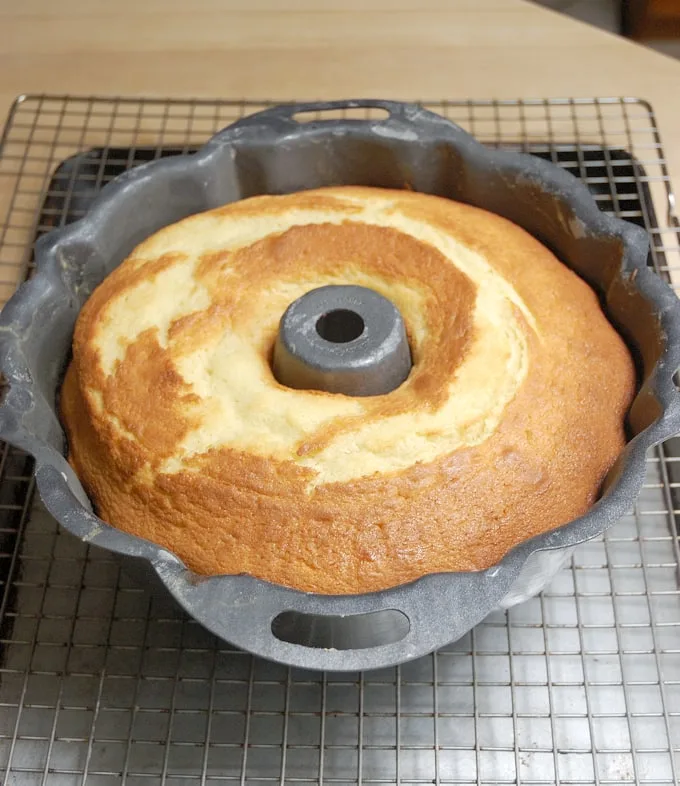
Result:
366,112
341,631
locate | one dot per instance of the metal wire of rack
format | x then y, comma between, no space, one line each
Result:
103,681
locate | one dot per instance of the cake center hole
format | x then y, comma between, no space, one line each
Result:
340,326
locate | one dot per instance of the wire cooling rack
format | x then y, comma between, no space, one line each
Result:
104,682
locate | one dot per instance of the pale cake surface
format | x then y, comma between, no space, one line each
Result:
510,418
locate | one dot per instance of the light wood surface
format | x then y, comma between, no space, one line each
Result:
425,49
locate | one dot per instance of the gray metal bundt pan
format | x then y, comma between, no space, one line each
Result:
271,152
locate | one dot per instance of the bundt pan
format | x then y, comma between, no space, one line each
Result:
271,152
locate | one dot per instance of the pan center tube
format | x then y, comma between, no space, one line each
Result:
342,339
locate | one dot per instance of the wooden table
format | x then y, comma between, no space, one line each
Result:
426,49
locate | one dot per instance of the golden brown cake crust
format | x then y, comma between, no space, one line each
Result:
181,435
